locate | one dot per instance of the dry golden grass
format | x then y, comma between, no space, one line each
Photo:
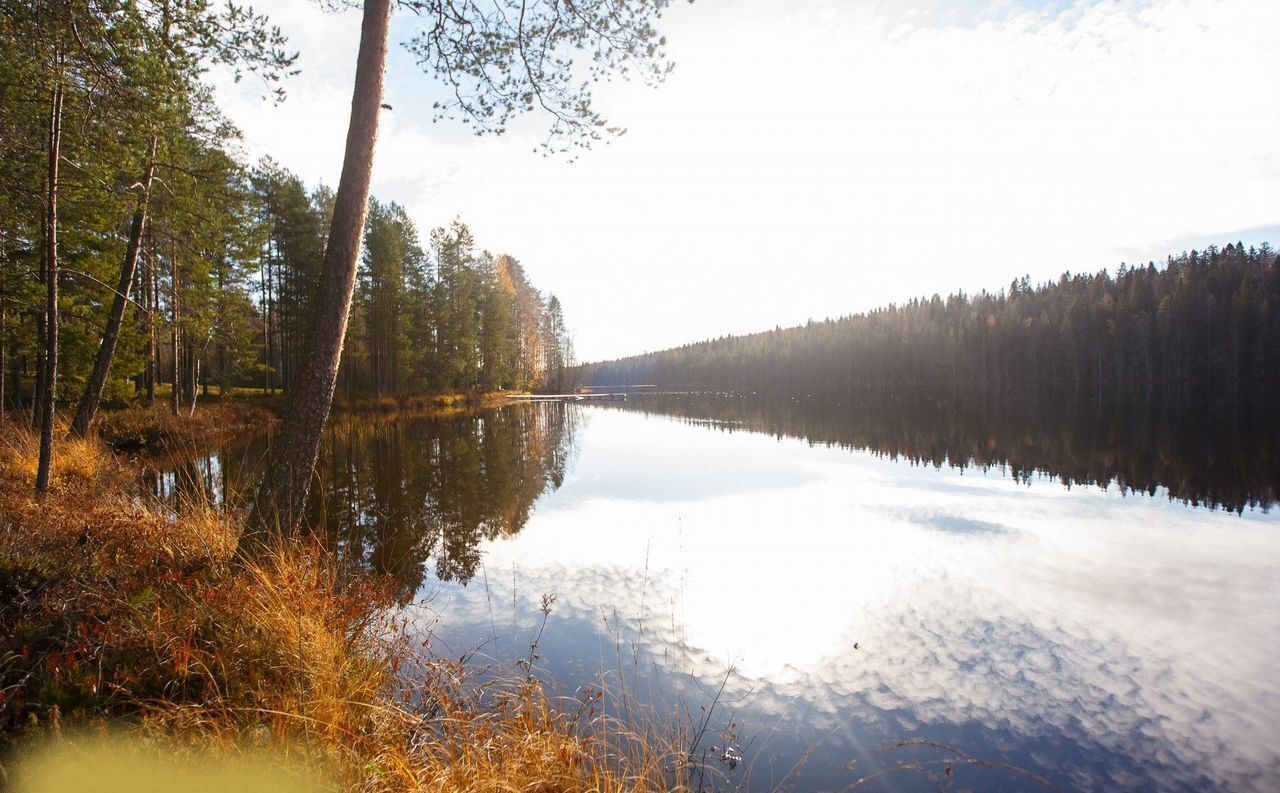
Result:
422,405
154,427
121,615
78,463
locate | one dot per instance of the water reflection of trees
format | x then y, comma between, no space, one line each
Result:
1202,453
396,496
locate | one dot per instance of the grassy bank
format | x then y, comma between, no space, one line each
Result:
423,406
154,428
118,618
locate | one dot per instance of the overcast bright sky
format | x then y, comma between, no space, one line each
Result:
809,159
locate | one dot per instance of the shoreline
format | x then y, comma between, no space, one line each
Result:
119,619
153,428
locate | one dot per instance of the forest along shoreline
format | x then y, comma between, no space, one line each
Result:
120,618
153,429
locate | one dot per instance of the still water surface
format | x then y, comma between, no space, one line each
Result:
855,584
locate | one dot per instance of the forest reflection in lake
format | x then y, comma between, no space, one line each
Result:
1098,637
1197,450
404,497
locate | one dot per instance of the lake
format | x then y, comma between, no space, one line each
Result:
1036,594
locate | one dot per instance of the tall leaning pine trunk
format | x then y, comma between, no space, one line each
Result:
49,390
283,494
88,407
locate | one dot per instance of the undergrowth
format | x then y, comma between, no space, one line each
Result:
155,428
421,405
120,616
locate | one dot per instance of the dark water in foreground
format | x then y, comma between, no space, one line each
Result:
1088,594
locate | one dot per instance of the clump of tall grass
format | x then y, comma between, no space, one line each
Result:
79,462
120,615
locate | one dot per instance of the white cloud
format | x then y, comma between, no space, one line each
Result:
829,157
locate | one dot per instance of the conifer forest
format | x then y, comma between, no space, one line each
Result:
128,216
1201,320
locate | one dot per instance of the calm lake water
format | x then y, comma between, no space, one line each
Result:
1077,594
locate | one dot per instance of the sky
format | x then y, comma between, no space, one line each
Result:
816,158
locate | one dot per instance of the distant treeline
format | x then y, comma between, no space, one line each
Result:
1204,319
1201,452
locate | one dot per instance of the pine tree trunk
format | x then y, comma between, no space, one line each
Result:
224,382
88,407
140,313
266,321
270,318
175,401
284,492
41,326
153,311
50,385
16,364
193,369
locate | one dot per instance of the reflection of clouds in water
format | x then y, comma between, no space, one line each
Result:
954,654
1115,642
943,521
